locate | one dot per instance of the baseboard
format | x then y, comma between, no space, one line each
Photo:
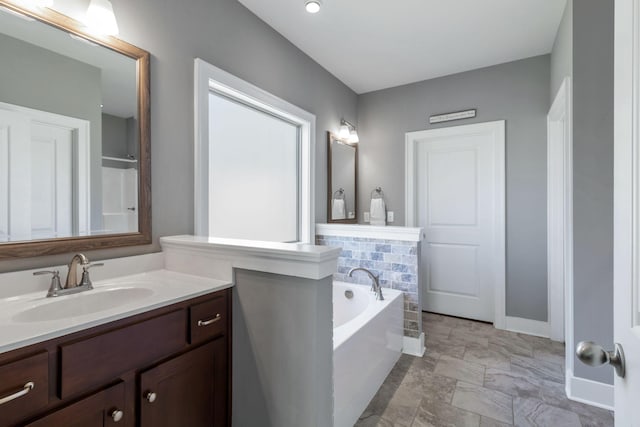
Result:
590,392
527,326
413,346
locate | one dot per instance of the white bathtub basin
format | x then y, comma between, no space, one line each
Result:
367,342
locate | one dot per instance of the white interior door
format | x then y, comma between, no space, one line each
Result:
460,204
626,209
44,174
51,159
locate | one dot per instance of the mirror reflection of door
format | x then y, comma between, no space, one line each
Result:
38,151
342,181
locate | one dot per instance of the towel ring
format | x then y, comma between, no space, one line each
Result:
377,193
339,194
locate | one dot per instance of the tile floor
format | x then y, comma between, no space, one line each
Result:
475,375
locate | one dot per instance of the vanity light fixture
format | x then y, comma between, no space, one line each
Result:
348,132
312,6
101,19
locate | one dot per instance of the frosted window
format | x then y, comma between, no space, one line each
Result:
253,180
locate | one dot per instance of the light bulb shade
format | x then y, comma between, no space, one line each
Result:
100,17
353,137
312,6
344,132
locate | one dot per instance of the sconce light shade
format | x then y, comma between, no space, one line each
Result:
100,17
353,137
344,132
44,3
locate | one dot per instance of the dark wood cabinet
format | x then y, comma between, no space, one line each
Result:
105,408
189,390
166,367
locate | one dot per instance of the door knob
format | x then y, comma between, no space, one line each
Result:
150,396
117,415
593,354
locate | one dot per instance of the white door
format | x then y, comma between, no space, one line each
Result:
460,204
36,180
626,255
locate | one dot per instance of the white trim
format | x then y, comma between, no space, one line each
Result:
560,253
216,258
527,326
208,78
590,392
411,220
407,234
413,346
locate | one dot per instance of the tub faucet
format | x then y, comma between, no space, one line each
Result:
375,283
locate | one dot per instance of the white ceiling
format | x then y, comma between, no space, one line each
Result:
376,44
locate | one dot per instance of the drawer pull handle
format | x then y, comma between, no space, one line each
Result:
210,321
117,415
26,389
150,396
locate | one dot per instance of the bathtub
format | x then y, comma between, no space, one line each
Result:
367,342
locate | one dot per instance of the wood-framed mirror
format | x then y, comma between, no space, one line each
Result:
75,163
342,180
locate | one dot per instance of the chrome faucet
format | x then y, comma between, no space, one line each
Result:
375,283
71,285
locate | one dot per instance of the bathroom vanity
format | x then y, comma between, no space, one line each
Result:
168,366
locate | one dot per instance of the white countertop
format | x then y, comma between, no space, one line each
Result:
216,257
168,287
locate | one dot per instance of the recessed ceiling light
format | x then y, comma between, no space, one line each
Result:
312,6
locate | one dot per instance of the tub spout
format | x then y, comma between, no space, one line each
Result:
375,283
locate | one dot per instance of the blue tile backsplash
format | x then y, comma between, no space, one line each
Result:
394,261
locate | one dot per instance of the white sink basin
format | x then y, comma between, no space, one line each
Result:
87,302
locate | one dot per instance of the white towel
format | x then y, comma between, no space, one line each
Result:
338,210
377,212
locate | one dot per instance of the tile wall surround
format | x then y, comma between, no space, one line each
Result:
392,253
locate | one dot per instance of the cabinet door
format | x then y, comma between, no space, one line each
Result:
189,390
102,409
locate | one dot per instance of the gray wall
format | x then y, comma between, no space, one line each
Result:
562,52
44,80
114,136
226,34
517,92
282,351
593,177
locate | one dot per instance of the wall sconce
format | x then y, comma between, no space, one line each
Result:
348,132
101,19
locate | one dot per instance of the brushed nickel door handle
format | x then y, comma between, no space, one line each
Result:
593,354
210,321
25,389
150,396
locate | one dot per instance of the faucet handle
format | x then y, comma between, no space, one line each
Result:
55,286
86,267
54,273
85,280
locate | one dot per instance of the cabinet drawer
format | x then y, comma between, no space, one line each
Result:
95,361
102,409
16,378
209,318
